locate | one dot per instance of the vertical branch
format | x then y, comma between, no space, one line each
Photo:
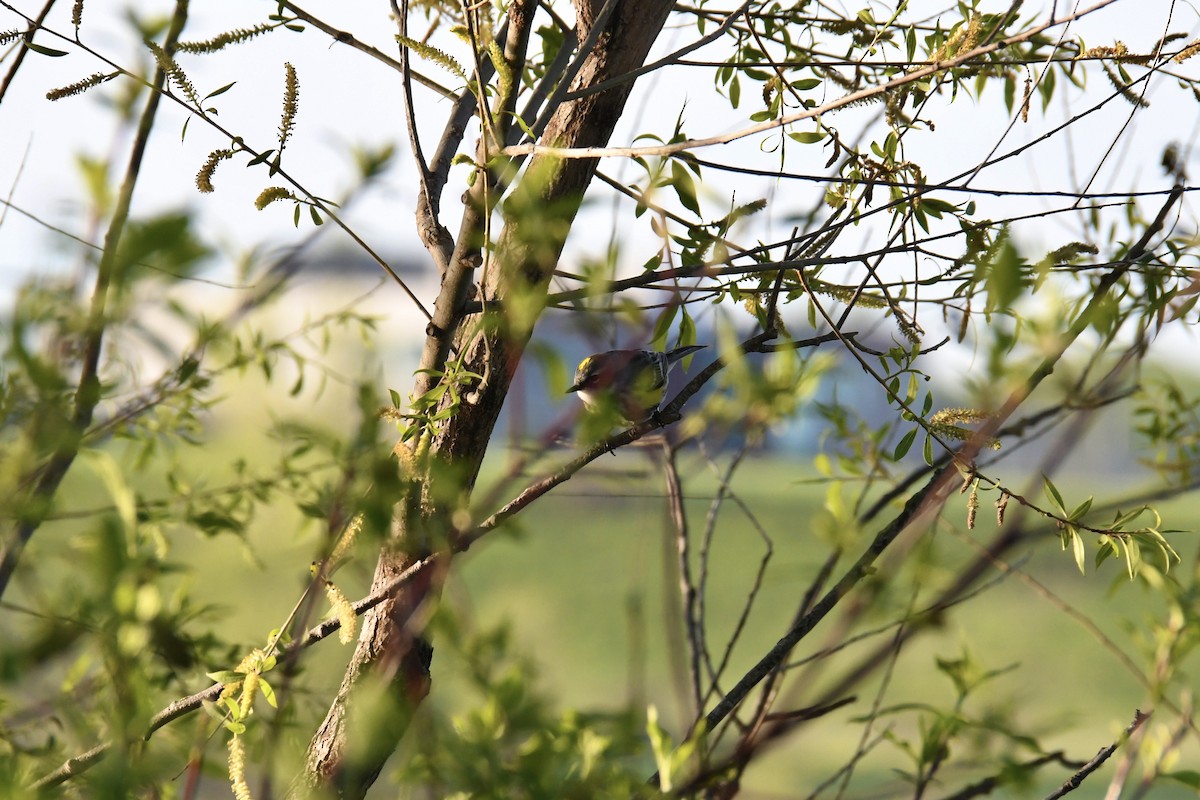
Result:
87,394
465,256
687,587
388,675
435,237
516,43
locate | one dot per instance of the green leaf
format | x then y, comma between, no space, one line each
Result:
260,158
1133,555
1077,549
162,247
687,328
1188,777
807,137
46,51
905,443
1107,550
660,745
123,497
938,207
1005,278
1081,509
662,326
685,187
222,90
216,521
1053,496
94,172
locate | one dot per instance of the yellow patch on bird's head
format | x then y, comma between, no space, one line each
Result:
583,372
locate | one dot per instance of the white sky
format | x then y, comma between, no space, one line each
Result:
346,98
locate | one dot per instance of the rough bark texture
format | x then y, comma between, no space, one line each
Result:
389,675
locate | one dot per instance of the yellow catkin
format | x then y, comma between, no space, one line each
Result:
344,611
291,104
205,175
270,195
225,39
237,768
1187,52
958,416
972,507
172,70
251,661
346,542
249,690
79,87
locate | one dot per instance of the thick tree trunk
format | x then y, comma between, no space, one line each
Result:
389,676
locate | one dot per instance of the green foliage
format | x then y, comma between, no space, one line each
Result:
968,730
1115,539
163,246
175,476
511,742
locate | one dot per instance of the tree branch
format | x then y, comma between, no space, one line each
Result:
812,113
88,391
1087,769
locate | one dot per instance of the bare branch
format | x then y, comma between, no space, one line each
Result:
1087,769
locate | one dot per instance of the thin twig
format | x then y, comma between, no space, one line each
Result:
19,57
347,38
1087,769
811,113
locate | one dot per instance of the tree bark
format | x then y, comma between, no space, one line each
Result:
389,674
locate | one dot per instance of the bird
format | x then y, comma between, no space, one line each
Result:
631,382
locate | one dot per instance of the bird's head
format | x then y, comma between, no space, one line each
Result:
588,376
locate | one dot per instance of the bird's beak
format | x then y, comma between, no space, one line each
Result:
574,388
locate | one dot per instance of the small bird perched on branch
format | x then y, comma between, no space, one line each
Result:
631,382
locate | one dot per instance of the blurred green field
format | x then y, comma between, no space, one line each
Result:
587,554
587,580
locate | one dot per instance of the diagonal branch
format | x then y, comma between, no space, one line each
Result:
933,494
88,392
1072,783
19,56
348,39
